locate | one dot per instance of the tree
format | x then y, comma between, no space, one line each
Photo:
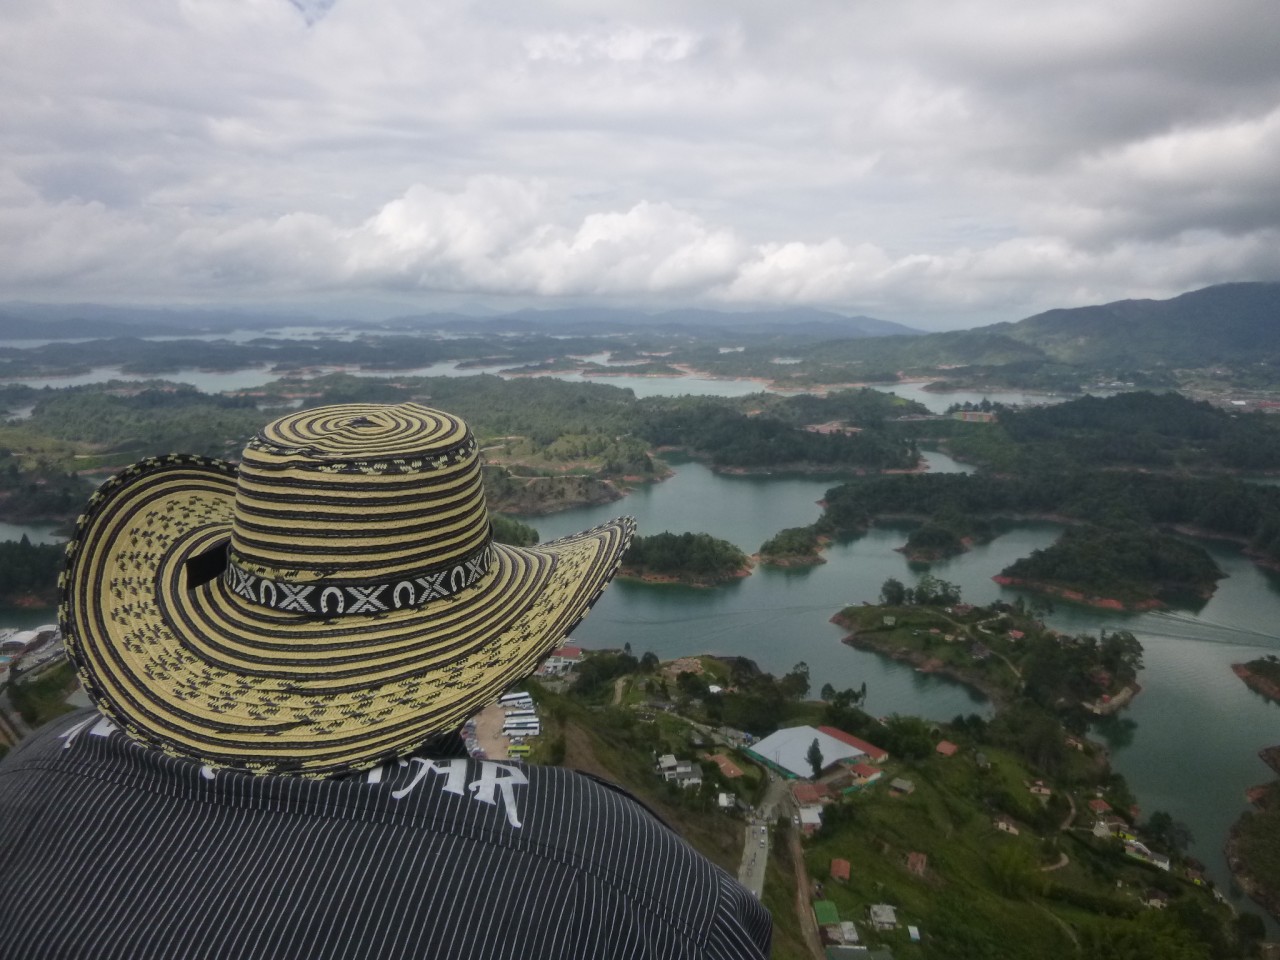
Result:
795,685
907,737
1121,654
930,591
814,757
828,692
893,593
1173,835
691,685
649,661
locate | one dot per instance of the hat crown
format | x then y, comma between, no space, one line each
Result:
357,493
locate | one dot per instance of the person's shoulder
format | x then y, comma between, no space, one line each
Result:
593,785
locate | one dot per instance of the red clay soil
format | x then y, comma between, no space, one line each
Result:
1258,684
1075,596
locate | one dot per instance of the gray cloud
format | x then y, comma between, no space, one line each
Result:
941,164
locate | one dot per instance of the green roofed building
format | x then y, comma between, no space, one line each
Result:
825,912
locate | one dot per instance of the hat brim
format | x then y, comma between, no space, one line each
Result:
198,671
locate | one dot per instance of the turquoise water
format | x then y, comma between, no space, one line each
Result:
1188,744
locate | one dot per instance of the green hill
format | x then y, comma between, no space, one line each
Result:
1227,323
1230,324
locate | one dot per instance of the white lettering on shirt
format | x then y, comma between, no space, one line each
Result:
494,778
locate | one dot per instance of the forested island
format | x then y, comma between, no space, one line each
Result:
1125,567
793,547
944,536
1215,506
697,559
1002,649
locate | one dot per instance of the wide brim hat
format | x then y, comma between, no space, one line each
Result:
334,600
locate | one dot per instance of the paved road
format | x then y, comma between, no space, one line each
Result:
755,850
755,855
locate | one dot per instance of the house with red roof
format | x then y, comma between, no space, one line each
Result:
873,753
840,870
810,794
946,748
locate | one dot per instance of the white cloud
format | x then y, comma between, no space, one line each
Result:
912,159
621,44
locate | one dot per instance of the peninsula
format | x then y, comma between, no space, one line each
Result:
1000,650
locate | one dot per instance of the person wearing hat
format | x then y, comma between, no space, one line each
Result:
280,653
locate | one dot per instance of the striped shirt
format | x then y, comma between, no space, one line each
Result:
111,850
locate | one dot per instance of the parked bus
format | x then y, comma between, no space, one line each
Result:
511,698
518,751
521,731
518,714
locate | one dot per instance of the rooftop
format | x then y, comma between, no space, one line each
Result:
788,749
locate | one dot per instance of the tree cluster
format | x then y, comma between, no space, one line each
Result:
28,569
1218,505
1128,562
684,554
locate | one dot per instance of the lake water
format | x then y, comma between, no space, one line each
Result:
939,402
35,532
249,378
1188,744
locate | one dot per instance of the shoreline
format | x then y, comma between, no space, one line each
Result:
1260,798
1259,684
1076,596
789,563
1252,887
672,579
925,663
922,662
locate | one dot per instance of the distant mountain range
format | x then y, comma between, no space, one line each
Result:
1230,323
804,322
1233,323
75,321
1227,323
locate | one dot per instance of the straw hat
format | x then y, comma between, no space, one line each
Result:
334,601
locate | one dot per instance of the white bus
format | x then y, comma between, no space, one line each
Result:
508,699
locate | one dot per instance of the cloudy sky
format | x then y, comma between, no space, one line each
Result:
937,163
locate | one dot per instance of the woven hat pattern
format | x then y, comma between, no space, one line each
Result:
200,670
358,492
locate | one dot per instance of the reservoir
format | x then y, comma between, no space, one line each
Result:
253,377
1188,744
